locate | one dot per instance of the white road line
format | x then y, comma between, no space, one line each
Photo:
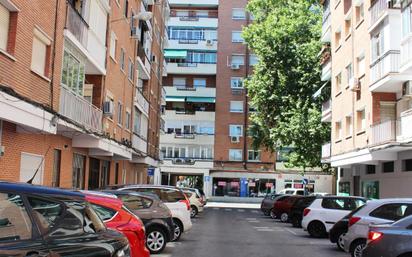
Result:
251,218
291,231
253,221
255,211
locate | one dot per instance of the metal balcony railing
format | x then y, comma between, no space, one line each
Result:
326,150
326,106
141,100
379,7
384,65
79,110
383,132
76,24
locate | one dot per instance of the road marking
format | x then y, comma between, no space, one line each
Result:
251,218
253,221
291,231
255,211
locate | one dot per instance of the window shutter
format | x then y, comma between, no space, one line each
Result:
4,27
38,60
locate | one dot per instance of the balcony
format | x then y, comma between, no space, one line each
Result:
326,152
143,64
193,21
190,117
187,139
327,111
199,163
184,44
381,9
79,110
326,71
385,75
139,144
404,126
383,132
204,3
77,25
190,91
141,103
326,29
192,68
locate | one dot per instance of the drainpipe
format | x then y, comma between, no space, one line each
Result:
53,55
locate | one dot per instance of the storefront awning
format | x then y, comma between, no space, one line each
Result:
177,54
201,99
175,98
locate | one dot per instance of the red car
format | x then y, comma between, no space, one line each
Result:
282,207
112,211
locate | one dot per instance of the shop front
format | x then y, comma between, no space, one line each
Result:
243,187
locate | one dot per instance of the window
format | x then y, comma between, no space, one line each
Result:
253,155
338,130
253,60
104,213
370,169
73,73
235,155
131,70
238,14
407,165
338,39
122,59
133,202
388,167
137,121
171,195
40,51
127,122
15,223
349,126
347,27
179,82
238,59
361,64
126,8
236,106
46,211
338,82
119,113
360,12
235,130
113,45
406,21
4,27
392,211
361,121
199,82
378,45
236,82
237,37
349,73
78,171
347,204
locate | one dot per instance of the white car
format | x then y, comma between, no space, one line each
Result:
196,202
374,212
174,199
292,191
325,211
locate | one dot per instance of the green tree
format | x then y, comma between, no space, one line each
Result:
285,35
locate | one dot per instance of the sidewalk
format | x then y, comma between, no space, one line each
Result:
233,205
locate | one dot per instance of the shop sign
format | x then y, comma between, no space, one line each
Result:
269,185
234,184
297,186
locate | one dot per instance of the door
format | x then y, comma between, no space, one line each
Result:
79,162
356,186
105,176
94,169
56,168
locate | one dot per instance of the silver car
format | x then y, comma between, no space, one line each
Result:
392,240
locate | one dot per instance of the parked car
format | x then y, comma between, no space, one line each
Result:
325,211
267,203
175,200
375,212
30,215
292,191
155,215
196,204
392,240
282,207
199,193
116,216
296,212
340,228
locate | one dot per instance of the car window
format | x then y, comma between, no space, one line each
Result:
393,211
134,202
155,191
104,213
72,221
289,192
92,222
171,195
333,203
300,192
47,212
15,223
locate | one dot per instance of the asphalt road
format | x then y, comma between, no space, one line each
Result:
231,232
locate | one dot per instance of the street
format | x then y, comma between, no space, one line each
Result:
230,232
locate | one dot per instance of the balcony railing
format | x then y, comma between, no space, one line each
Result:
388,63
141,100
326,24
76,24
185,135
79,110
379,7
404,126
326,150
162,125
383,132
326,106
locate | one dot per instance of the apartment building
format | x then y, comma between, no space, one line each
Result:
73,95
370,98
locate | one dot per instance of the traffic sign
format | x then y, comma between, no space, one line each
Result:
305,181
150,171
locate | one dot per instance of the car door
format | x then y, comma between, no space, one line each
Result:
333,209
19,236
139,206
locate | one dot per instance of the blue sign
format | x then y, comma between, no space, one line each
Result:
243,187
207,178
150,172
305,181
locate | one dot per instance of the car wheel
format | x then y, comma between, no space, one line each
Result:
193,211
155,240
284,217
178,230
316,229
296,222
341,243
266,213
357,247
272,214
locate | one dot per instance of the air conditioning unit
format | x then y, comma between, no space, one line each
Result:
235,66
234,139
407,89
354,84
209,42
2,149
108,108
136,33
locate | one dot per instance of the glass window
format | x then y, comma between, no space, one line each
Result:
134,202
338,130
104,213
236,82
349,73
237,37
406,20
39,55
253,60
15,223
235,155
4,27
172,195
127,121
73,73
131,70
393,211
238,14
122,59
199,82
235,130
407,165
238,59
119,113
113,44
47,212
236,106
254,155
370,169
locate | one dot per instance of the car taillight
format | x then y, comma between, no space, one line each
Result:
306,212
353,220
187,203
373,236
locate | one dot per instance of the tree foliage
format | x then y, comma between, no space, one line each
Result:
285,35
